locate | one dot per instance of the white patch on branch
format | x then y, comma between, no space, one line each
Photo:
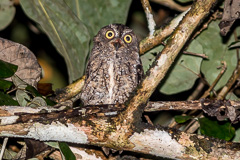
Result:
19,109
151,22
84,155
162,60
177,20
157,142
111,83
111,113
8,120
57,131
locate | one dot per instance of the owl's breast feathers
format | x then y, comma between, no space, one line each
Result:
111,81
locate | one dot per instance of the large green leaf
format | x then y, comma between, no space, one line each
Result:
7,100
215,47
185,70
98,13
4,85
66,31
214,128
7,69
7,12
182,75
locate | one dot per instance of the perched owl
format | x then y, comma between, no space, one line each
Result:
114,68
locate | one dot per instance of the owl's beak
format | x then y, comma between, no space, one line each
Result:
117,45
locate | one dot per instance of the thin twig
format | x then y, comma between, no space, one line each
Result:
196,54
196,91
172,5
233,78
3,147
224,67
191,53
148,120
194,125
160,34
148,11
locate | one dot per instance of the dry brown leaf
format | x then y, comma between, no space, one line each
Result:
28,68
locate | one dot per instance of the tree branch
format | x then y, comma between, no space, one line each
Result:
199,10
91,130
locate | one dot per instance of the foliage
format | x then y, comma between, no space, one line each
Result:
214,128
182,119
7,12
70,28
71,25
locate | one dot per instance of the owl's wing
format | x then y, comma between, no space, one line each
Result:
93,62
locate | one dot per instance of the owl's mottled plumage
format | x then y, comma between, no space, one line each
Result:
114,68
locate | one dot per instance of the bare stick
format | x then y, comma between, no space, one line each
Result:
3,148
148,120
172,5
196,54
224,67
148,11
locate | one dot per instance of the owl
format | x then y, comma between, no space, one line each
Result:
114,67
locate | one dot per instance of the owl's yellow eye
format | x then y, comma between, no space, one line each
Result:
128,38
109,34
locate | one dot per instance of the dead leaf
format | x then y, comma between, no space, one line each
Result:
230,14
28,68
221,109
45,88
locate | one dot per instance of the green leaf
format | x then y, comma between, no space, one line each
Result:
7,69
37,102
66,151
7,100
68,34
215,47
213,128
232,96
18,82
184,72
35,93
182,119
22,97
237,136
7,12
53,144
149,57
4,85
8,154
98,13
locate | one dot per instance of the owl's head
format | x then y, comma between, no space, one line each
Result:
117,37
